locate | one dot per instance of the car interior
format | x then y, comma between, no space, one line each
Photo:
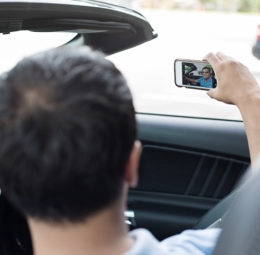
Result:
189,167
188,174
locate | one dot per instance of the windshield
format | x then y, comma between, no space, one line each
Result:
24,43
188,29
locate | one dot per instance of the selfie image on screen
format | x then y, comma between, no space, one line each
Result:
198,74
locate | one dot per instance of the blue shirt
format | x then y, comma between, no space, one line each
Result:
189,242
205,84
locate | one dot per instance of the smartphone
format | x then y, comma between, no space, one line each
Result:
194,74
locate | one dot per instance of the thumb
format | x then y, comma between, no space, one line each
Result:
212,93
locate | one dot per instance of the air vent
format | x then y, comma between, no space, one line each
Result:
189,173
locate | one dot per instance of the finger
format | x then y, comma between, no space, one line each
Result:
222,56
212,56
212,59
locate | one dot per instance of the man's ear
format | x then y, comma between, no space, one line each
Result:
132,164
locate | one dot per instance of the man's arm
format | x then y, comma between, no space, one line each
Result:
191,80
236,85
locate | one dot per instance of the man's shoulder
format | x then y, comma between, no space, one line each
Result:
193,242
190,242
145,243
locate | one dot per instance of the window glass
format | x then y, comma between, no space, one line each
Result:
17,45
188,29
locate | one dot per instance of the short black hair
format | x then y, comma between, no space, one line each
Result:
206,68
67,126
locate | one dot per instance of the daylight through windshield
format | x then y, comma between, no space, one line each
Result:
188,29
25,43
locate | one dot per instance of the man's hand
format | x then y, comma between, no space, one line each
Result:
191,80
236,85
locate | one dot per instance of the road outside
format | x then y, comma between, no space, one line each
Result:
149,67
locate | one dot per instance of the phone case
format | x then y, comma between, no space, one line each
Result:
187,86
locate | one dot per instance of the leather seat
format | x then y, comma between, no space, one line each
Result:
241,228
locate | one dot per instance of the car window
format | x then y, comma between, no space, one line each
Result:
23,43
188,29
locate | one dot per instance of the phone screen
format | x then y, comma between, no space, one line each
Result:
194,74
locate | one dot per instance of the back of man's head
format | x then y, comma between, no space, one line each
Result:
67,126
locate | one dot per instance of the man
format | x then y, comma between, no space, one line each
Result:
68,155
205,81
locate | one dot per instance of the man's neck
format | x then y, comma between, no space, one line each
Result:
104,233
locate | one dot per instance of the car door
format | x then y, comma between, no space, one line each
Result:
188,165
